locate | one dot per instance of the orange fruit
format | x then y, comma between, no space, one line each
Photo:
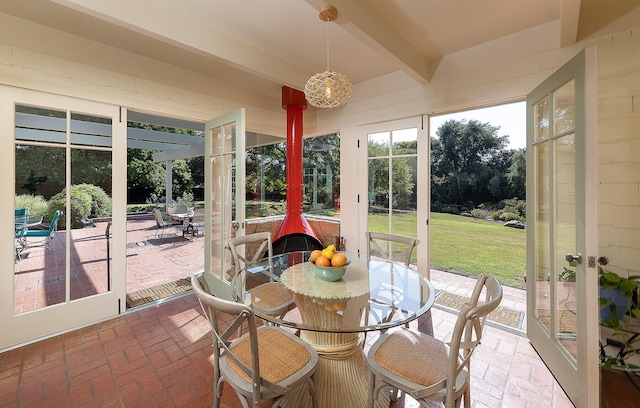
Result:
322,261
338,260
314,255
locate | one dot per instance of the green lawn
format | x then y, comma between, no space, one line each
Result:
470,246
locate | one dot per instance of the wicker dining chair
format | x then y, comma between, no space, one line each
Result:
429,369
271,298
396,248
393,247
267,362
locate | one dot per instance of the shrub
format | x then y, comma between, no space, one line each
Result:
87,201
450,209
480,213
35,205
101,205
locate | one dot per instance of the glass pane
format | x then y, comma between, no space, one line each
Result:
565,241
40,265
229,140
541,120
405,198
542,237
216,141
404,141
41,124
91,208
90,130
378,199
266,180
379,144
564,109
321,158
215,226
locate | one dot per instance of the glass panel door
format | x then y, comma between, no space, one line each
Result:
224,196
562,319
69,175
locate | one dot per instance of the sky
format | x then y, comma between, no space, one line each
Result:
511,119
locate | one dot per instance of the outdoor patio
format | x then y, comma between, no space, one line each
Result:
152,260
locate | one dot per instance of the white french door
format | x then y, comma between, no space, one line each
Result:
562,318
55,146
224,195
394,190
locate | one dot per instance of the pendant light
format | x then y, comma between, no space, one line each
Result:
328,89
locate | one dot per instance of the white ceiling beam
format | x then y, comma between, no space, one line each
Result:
569,19
363,22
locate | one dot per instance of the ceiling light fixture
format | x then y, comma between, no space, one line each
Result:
328,89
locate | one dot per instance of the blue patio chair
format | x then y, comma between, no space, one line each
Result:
46,234
21,217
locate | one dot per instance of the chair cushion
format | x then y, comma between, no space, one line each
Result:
37,233
280,355
418,358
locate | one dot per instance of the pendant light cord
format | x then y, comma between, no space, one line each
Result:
327,43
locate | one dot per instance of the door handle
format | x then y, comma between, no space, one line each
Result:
570,258
235,225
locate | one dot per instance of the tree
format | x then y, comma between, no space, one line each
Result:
145,176
517,174
468,163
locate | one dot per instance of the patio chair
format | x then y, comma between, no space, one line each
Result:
272,297
47,234
266,363
198,224
161,223
426,368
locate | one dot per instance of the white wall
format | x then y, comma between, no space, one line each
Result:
619,150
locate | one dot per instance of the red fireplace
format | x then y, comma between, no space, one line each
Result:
295,233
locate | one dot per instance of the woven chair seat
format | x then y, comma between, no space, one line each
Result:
280,356
425,365
270,296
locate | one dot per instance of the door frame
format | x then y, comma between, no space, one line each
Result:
580,380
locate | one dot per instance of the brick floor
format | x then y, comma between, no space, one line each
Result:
159,355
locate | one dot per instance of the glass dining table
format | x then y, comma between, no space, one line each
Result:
333,317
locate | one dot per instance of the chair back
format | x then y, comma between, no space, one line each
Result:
181,209
21,215
393,247
53,227
467,332
214,308
258,244
158,218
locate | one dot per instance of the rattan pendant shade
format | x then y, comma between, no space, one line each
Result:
328,89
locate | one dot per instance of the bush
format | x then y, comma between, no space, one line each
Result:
480,213
87,201
101,204
35,205
450,209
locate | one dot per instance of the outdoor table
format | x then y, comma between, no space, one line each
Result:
332,317
188,217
